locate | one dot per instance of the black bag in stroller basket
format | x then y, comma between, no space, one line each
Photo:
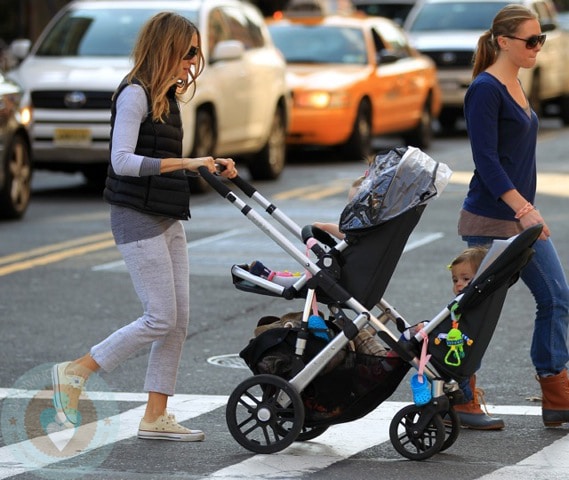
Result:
351,385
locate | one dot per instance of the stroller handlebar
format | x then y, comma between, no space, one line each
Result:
311,231
217,185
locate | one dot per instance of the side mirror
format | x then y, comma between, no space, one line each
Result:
387,56
20,48
227,50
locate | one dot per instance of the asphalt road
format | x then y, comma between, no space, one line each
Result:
63,288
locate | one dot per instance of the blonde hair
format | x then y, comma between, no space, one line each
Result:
161,44
506,22
473,255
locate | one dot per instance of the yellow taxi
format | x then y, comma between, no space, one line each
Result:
352,78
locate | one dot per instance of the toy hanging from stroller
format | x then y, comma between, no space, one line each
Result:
302,383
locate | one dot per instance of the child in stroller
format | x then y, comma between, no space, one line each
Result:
269,411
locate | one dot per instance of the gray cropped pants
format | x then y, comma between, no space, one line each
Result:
159,270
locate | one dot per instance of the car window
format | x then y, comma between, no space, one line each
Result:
241,26
543,12
394,39
455,16
395,11
85,33
320,44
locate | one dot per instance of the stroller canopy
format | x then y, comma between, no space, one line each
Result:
396,181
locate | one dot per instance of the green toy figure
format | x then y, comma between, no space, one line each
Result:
455,341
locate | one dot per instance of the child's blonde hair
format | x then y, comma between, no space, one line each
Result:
474,255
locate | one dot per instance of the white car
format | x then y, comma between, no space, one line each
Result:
448,32
241,106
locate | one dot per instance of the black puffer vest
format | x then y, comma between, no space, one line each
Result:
167,194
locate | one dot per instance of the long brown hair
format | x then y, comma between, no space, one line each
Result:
161,44
506,22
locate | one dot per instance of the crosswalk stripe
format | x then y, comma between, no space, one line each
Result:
293,462
184,407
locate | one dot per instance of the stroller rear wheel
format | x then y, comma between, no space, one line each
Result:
412,441
308,433
264,414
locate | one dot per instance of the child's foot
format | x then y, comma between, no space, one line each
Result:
257,268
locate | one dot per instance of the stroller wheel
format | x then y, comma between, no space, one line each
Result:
451,421
308,433
264,414
412,441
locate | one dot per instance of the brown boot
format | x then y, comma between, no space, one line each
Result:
555,402
471,414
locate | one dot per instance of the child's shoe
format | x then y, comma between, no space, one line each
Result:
258,269
165,427
471,414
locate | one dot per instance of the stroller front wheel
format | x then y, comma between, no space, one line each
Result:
264,414
412,441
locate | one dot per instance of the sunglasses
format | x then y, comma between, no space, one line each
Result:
531,42
191,53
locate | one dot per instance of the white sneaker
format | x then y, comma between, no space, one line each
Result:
166,428
66,392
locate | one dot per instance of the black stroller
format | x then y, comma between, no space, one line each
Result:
309,378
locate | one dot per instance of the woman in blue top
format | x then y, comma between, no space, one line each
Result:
502,129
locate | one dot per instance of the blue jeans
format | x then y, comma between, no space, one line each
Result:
546,280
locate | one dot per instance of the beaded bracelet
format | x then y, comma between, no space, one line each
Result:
528,207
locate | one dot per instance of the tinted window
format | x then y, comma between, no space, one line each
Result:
85,33
395,11
320,44
242,27
455,16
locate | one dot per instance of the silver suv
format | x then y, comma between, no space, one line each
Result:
240,109
448,31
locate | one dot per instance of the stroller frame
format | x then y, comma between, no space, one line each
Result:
276,410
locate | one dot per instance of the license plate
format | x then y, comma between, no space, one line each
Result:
72,137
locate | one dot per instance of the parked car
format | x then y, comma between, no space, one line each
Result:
354,77
240,109
396,10
448,31
15,156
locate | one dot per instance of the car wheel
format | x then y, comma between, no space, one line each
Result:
358,146
16,192
447,120
269,162
205,139
534,97
422,135
564,109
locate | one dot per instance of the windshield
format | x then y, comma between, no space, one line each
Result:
88,33
456,16
320,44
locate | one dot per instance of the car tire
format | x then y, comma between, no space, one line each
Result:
564,109
447,120
422,135
205,140
358,146
534,95
16,192
270,161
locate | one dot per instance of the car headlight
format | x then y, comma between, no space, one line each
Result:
321,99
26,115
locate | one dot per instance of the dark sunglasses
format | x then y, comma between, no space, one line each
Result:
191,53
531,42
